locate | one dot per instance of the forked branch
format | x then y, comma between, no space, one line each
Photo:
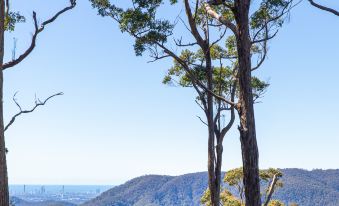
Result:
38,103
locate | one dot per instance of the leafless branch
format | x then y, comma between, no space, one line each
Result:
158,58
202,121
266,38
180,44
333,11
222,35
185,25
37,104
264,54
37,31
193,26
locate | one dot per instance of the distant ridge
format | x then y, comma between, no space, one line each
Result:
307,188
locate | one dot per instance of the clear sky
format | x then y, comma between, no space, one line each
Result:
117,121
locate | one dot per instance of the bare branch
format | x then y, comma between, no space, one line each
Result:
180,44
202,121
158,58
36,33
193,26
185,25
333,11
220,38
37,104
266,38
263,57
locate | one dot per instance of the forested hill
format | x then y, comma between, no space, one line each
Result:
307,188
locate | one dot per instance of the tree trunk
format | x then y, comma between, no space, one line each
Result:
249,148
215,197
4,195
212,178
219,150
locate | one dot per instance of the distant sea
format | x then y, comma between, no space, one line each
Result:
76,194
57,189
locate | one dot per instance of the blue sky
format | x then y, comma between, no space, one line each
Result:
117,121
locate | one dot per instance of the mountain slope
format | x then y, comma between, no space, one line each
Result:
317,187
307,188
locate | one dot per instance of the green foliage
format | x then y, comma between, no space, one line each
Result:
11,19
234,179
229,200
226,197
275,203
223,76
139,21
268,10
267,175
143,21
206,198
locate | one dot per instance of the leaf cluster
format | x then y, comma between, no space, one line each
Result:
11,19
139,21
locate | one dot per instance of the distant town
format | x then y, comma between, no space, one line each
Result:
76,194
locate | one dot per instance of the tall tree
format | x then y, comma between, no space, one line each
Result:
8,19
213,51
250,29
224,85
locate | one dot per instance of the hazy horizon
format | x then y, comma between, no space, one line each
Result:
124,181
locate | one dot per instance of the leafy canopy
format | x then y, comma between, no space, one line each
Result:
234,180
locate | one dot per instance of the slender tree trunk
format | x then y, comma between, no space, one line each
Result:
212,178
249,148
4,195
211,171
219,150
